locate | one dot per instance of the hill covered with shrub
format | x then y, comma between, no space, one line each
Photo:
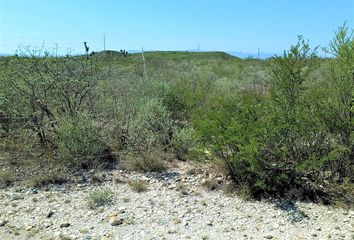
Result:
278,127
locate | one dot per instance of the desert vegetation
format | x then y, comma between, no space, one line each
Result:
277,127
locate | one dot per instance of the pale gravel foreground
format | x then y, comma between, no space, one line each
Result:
163,212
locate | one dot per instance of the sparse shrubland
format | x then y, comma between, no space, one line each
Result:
280,126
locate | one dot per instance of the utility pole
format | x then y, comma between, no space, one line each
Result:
259,49
104,42
198,47
145,73
56,49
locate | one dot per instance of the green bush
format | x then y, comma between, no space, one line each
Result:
80,143
47,177
229,125
154,161
138,185
342,83
149,128
263,139
6,178
99,197
183,140
182,96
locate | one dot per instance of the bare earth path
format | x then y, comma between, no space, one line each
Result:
175,206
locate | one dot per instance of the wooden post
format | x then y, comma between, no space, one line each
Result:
145,73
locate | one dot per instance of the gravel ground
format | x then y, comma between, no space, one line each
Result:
175,206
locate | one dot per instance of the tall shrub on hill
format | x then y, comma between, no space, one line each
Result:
49,96
230,126
290,123
342,83
263,138
47,88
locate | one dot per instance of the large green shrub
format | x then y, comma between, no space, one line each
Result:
42,88
80,143
287,122
183,140
342,83
149,128
229,126
262,139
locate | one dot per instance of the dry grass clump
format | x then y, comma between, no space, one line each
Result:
138,185
6,178
153,162
211,184
120,180
99,197
45,178
182,188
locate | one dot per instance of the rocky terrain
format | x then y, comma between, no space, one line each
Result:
174,205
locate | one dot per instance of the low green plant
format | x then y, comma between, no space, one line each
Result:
120,180
6,178
150,162
47,177
99,197
138,185
182,188
211,184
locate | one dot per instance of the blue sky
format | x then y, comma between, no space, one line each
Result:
226,25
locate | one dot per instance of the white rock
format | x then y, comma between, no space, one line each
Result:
115,221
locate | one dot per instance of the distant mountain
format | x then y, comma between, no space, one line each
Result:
5,54
262,55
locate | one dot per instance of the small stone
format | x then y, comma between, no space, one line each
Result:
341,235
50,213
112,214
114,221
65,225
314,234
268,236
47,225
122,210
83,230
300,237
172,231
28,228
210,223
2,223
